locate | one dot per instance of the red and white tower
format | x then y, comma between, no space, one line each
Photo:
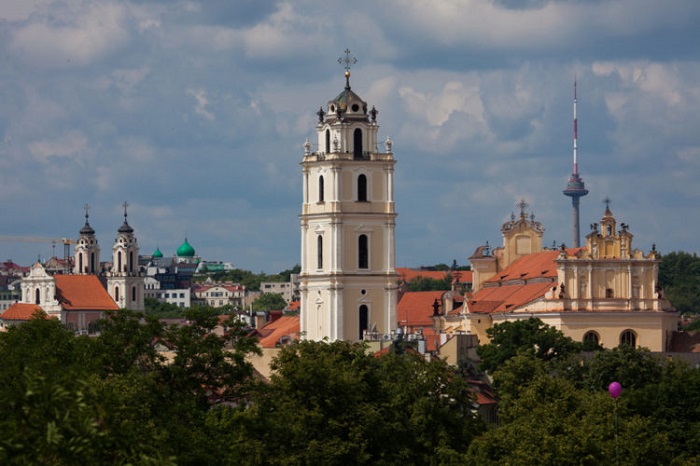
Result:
575,188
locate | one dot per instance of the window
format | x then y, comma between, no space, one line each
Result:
591,337
119,261
133,293
628,338
609,293
37,296
319,252
92,263
362,188
131,261
116,293
364,320
80,264
328,141
320,189
357,143
363,253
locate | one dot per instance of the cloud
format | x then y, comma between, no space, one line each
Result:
84,32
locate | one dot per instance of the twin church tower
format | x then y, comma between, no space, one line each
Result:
348,279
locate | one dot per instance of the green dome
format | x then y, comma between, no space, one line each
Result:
185,250
157,254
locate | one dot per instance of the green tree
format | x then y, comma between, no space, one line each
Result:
530,336
162,310
333,403
430,284
552,422
679,277
269,302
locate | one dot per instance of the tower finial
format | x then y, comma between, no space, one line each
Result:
522,205
86,207
125,205
347,61
607,202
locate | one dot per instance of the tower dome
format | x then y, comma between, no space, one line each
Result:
185,250
157,254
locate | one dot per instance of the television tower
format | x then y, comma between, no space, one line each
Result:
575,188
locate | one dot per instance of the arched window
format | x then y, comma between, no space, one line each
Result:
116,293
328,141
357,143
362,188
321,189
133,293
628,338
131,261
37,296
119,261
592,338
362,252
364,320
92,262
80,264
319,252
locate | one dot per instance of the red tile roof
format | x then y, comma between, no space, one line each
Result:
83,293
524,281
285,326
415,309
294,305
22,311
410,274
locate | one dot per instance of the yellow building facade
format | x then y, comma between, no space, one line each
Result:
605,291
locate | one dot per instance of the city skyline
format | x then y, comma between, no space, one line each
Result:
196,114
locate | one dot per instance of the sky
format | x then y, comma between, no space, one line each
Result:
196,112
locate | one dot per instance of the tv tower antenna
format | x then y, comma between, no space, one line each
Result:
575,188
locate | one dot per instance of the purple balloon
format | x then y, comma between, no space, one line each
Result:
615,389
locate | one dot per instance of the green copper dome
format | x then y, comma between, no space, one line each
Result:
185,250
157,254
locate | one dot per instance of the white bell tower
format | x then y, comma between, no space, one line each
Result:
87,251
348,280
125,284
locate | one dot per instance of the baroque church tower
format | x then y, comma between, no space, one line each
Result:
348,281
87,251
124,282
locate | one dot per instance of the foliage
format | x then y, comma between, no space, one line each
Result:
679,277
162,310
421,283
531,336
269,302
249,279
552,422
333,403
112,398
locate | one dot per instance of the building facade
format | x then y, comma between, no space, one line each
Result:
348,281
604,292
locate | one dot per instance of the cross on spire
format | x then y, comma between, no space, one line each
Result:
86,207
522,205
347,61
125,205
607,202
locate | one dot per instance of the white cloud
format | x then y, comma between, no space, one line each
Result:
85,32
70,145
200,96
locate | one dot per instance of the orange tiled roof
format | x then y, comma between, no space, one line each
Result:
410,274
22,311
294,305
507,297
273,331
83,293
415,309
538,265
